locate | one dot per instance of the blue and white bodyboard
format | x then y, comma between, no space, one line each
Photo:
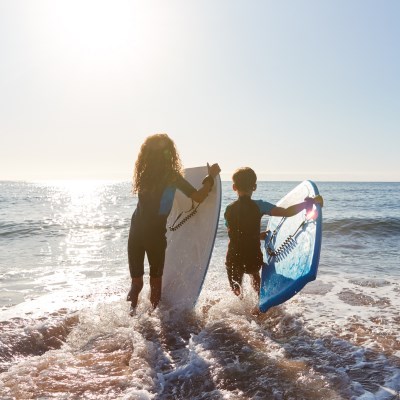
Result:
291,249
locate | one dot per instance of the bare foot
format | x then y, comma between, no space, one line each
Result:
132,311
236,291
255,311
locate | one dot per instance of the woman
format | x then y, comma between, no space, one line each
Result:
158,173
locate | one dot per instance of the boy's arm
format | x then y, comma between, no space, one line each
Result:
296,208
226,216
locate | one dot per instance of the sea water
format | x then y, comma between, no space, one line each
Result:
65,332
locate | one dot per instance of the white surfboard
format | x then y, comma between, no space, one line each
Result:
189,247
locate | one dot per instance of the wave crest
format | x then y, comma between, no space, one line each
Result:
363,226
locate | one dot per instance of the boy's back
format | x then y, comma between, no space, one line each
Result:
243,219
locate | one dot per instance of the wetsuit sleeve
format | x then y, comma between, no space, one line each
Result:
184,186
264,206
227,215
167,198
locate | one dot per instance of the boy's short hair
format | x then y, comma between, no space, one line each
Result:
244,179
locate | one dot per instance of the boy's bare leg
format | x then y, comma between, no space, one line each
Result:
235,277
256,282
133,295
155,290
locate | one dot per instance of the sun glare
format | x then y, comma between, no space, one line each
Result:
312,214
82,33
96,36
80,201
78,187
81,193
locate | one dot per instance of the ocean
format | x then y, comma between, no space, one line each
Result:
65,332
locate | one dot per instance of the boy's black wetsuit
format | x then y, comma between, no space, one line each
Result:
148,226
243,219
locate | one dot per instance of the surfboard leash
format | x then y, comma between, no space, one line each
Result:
271,252
287,246
192,211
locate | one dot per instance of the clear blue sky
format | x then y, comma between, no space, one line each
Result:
295,89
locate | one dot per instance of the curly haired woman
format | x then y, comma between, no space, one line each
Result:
158,173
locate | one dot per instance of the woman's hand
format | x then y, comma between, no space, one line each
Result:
213,170
208,183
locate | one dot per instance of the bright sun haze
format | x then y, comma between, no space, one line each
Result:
296,90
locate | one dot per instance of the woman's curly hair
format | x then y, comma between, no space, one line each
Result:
156,164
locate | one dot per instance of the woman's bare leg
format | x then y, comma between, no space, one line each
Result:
155,290
133,295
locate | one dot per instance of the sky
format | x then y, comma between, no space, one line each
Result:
295,89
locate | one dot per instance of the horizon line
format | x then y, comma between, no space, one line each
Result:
263,179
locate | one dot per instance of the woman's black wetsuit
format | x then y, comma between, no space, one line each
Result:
148,226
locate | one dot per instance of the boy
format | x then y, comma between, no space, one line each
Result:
243,220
